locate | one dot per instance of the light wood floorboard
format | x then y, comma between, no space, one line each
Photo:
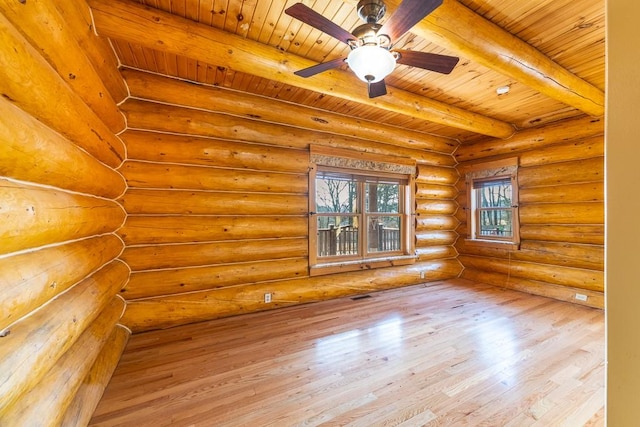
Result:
443,354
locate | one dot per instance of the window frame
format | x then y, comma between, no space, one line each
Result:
368,168
506,169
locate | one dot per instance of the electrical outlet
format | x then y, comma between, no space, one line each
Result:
581,297
422,273
267,297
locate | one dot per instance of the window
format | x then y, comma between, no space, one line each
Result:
492,204
359,211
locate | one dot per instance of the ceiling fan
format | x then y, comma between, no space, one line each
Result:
371,57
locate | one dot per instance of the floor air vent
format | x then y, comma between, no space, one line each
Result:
360,297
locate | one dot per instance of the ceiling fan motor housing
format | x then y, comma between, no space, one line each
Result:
367,35
371,11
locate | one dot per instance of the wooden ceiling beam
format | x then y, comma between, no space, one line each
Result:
162,31
459,29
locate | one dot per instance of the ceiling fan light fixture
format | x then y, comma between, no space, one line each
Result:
371,63
371,57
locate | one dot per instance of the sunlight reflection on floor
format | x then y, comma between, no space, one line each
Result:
344,347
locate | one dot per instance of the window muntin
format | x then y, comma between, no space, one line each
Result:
492,203
346,202
493,208
384,228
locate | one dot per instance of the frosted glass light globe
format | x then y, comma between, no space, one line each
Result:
371,63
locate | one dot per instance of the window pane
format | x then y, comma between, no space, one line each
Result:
496,222
383,198
336,195
494,195
337,235
384,234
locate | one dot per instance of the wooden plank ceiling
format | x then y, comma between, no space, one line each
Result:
569,32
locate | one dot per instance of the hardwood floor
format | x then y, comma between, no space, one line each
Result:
445,354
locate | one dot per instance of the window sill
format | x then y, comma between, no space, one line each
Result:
492,244
365,264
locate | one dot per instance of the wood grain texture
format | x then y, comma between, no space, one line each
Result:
42,24
571,35
51,397
563,293
455,26
162,89
570,172
146,230
184,202
558,213
145,284
201,235
95,382
426,238
137,24
199,254
435,191
530,139
590,234
436,207
578,278
432,174
32,84
36,216
584,148
150,175
30,151
195,150
447,353
29,280
32,346
436,222
570,193
570,254
180,309
579,255
428,253
190,121
77,16
561,214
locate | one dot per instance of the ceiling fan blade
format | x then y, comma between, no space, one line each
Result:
429,61
323,66
377,89
408,14
307,15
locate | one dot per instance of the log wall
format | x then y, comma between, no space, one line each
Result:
188,203
60,337
561,185
218,198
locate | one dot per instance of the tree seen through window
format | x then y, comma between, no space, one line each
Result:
347,203
494,208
